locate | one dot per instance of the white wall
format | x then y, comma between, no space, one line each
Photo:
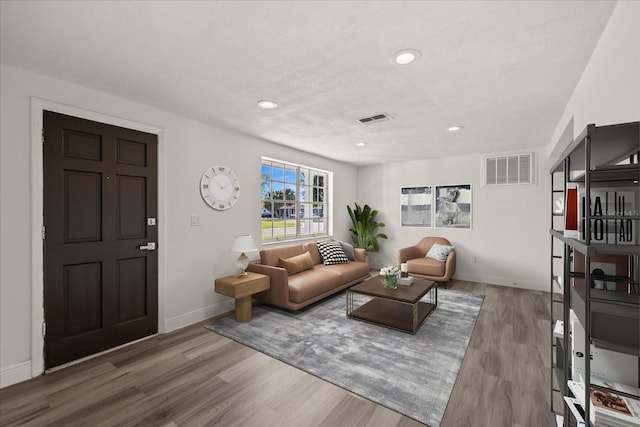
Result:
609,90
190,257
509,235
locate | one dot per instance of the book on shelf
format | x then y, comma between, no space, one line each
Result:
572,211
405,280
611,203
558,329
609,408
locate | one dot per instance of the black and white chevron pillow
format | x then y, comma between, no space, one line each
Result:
332,253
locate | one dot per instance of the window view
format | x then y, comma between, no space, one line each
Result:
294,201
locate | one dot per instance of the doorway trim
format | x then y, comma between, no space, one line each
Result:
38,106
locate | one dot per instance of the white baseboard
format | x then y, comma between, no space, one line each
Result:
186,319
22,371
503,281
15,374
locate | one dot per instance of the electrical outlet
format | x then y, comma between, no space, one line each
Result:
195,221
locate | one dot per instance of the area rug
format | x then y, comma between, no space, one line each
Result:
410,374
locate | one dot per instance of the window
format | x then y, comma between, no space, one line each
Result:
509,169
294,200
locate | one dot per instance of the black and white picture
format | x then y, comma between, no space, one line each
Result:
453,206
416,206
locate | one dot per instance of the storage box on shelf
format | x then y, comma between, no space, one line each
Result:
595,235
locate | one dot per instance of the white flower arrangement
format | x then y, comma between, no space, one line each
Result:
390,270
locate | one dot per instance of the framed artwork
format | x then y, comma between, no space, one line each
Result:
453,206
415,206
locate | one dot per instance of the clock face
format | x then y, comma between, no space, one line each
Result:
220,187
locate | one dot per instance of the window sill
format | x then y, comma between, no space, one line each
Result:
297,240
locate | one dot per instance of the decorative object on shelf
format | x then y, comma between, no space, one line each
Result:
611,211
453,206
572,211
364,228
242,244
390,276
220,187
415,206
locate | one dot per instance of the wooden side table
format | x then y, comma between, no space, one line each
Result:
242,288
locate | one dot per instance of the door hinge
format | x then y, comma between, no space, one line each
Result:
44,329
43,232
43,135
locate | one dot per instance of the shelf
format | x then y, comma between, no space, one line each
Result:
596,248
603,248
576,244
602,160
617,175
609,310
609,145
606,278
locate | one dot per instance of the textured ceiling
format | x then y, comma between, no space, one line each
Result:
503,69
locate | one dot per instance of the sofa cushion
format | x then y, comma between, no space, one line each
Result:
439,252
347,272
348,250
426,266
313,250
311,283
332,253
296,264
271,256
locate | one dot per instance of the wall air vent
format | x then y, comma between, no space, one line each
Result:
508,169
380,117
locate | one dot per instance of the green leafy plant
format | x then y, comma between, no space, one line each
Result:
365,228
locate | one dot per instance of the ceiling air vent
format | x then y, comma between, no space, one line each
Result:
380,117
508,169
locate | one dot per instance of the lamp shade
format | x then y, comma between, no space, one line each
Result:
243,244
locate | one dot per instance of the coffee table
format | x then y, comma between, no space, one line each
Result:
399,309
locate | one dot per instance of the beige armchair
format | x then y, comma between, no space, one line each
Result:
428,268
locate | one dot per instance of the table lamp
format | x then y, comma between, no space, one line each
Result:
243,244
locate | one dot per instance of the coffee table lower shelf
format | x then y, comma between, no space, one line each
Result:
387,313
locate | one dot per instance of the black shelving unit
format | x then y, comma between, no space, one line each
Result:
602,159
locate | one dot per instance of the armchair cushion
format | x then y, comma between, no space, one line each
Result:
439,252
426,266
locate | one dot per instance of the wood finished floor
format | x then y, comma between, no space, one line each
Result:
194,377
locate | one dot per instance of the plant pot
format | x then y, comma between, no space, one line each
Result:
390,282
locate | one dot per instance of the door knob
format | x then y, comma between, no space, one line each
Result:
151,246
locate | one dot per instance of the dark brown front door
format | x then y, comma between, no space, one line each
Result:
100,207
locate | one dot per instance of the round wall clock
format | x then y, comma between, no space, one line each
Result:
220,187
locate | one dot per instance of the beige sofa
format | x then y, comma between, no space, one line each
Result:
301,289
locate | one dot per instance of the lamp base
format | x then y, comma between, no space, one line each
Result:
243,263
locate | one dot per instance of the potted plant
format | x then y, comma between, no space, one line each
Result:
364,228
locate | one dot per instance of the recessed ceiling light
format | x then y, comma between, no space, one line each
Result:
360,144
455,128
267,105
406,56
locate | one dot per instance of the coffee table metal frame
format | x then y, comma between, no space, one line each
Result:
400,309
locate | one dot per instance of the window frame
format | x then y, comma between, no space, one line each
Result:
309,212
